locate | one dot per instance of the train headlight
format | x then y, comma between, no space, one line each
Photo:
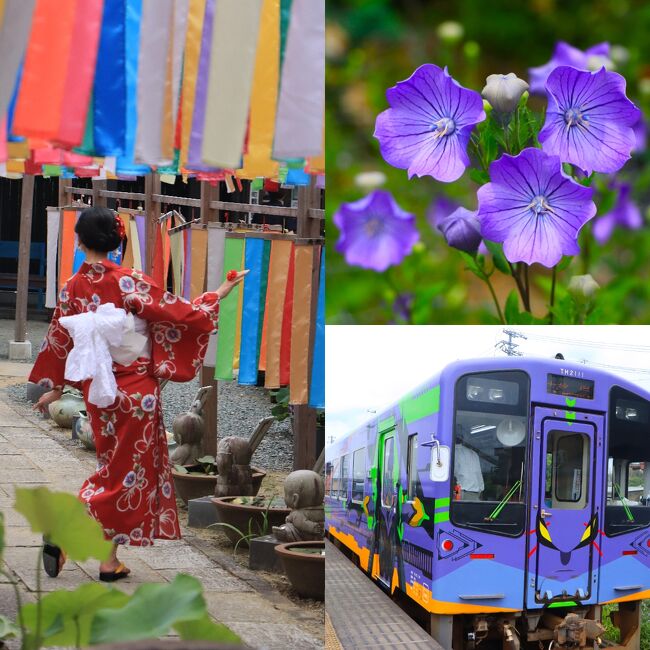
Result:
474,392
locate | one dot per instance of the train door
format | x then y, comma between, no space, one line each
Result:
563,551
386,506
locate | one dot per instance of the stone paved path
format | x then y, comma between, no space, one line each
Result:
35,452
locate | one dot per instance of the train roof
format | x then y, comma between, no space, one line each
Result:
529,364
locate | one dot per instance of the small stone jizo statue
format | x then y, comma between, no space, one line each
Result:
304,492
188,429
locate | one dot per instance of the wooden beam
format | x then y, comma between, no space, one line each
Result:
24,245
176,200
151,187
125,196
304,416
275,210
210,193
98,198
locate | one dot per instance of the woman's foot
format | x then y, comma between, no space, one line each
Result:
113,570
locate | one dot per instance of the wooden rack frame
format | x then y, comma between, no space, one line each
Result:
309,215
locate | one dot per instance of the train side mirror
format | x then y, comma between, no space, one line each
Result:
440,464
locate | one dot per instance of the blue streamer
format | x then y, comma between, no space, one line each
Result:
317,392
109,92
126,164
251,313
79,259
12,107
297,177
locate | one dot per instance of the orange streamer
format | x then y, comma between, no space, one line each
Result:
199,261
66,246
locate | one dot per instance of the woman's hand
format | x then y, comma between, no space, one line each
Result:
46,399
229,285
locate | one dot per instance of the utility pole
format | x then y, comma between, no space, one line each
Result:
510,347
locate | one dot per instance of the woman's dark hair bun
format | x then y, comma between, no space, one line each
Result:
97,229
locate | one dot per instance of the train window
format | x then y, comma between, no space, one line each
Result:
413,479
387,473
489,463
358,474
627,506
567,470
328,478
336,478
345,476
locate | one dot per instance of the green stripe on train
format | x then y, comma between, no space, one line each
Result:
416,408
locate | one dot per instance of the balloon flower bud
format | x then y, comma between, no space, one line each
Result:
583,287
462,230
504,91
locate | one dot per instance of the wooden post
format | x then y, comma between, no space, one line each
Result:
24,246
63,199
99,184
210,410
304,416
152,209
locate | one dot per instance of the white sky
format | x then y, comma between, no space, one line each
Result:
371,366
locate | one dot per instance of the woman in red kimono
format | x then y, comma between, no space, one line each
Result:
159,336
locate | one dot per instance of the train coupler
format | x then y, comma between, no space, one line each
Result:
575,633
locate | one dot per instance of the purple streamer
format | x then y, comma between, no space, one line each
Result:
140,223
194,160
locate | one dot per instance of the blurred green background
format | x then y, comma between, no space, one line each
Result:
372,44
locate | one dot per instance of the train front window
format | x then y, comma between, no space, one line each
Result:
489,466
358,474
628,464
387,474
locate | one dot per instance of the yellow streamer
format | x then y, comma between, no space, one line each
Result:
190,72
178,261
264,97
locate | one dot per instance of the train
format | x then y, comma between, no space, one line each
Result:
506,501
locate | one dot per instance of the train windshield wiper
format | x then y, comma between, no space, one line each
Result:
628,512
497,511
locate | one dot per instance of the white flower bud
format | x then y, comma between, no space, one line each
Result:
504,91
597,61
619,54
450,31
370,180
583,286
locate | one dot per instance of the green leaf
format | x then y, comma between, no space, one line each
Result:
206,459
479,176
7,628
564,263
180,469
67,616
63,519
151,612
500,260
205,629
512,308
472,264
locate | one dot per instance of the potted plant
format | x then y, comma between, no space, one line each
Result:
280,398
304,564
243,518
200,480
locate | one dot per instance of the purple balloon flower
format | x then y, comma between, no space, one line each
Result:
565,54
441,207
428,125
589,121
625,214
375,231
462,230
533,207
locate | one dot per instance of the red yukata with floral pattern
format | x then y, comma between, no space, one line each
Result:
132,492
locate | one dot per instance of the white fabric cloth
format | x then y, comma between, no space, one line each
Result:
53,221
100,337
467,469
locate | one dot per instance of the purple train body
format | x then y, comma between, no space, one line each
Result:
500,495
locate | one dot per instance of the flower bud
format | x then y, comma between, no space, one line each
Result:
583,287
370,180
462,230
504,91
450,31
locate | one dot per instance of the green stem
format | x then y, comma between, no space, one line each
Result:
19,605
516,274
527,284
553,281
39,607
496,300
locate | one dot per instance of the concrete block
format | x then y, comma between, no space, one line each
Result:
201,513
20,350
262,554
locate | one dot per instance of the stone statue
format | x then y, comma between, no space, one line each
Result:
304,492
234,477
188,429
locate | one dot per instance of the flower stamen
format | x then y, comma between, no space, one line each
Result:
574,117
444,126
539,206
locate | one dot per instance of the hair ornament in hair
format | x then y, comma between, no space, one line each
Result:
119,227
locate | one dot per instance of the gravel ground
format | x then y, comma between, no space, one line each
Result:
240,408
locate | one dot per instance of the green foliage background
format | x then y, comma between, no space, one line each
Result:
372,44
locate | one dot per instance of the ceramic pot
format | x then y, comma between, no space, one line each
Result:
195,486
63,410
85,432
34,391
246,518
304,564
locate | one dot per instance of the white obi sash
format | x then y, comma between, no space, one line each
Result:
101,337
